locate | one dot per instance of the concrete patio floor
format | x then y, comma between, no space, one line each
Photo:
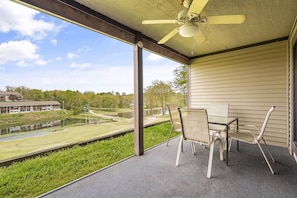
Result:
155,175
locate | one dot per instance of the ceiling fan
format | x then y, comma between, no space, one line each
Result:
189,18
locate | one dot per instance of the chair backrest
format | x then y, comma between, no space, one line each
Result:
219,109
174,116
194,123
265,123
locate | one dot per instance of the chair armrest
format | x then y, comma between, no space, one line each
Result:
246,129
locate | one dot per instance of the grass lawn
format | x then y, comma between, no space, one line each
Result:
63,136
36,176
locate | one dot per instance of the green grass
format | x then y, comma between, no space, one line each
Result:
36,176
62,136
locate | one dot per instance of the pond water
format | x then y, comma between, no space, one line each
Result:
4,130
36,129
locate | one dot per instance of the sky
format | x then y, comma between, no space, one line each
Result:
39,51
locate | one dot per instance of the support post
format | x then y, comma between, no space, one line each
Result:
138,96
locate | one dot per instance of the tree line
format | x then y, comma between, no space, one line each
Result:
158,94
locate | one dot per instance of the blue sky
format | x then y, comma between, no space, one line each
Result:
42,52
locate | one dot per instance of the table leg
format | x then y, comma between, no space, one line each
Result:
227,145
237,146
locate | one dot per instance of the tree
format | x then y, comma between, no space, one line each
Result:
92,98
150,98
161,92
180,80
106,101
127,100
33,94
9,88
48,95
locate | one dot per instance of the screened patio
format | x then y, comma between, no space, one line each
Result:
269,32
248,62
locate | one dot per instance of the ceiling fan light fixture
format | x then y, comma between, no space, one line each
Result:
188,29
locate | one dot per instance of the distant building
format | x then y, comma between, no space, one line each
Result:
6,96
12,102
28,106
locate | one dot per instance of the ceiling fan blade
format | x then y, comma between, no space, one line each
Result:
199,37
167,21
169,36
226,19
196,7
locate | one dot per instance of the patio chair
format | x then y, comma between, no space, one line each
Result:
220,110
252,135
194,124
174,119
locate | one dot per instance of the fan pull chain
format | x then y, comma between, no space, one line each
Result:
193,47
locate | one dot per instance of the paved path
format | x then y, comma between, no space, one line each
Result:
147,120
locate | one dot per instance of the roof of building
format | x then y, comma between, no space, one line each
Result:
28,103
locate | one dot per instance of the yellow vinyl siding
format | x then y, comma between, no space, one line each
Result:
251,80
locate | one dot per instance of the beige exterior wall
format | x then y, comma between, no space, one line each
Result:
292,60
250,80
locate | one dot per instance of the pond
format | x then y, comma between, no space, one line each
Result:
30,127
36,129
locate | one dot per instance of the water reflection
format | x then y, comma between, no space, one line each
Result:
43,125
29,127
32,128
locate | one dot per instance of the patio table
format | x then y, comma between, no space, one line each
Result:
226,121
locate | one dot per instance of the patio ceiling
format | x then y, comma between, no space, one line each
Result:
266,20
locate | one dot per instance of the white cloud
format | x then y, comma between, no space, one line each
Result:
98,79
113,69
22,63
83,49
16,17
54,42
79,66
71,55
40,62
154,57
165,73
18,51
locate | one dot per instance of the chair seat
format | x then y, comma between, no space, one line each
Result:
217,127
243,136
